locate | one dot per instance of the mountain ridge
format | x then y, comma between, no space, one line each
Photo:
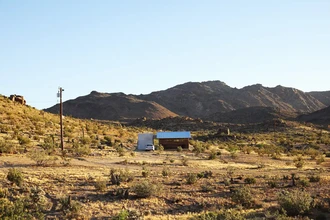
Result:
193,99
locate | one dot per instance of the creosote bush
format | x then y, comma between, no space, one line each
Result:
146,189
299,162
191,178
296,202
117,176
250,180
42,158
223,214
166,171
15,176
100,185
243,196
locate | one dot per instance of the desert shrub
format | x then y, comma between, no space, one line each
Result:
17,209
207,187
250,180
81,150
272,183
299,162
15,176
179,149
296,202
4,193
191,178
205,174
42,158
100,185
166,171
7,147
185,161
314,178
243,196
320,160
303,182
212,155
327,154
198,148
22,140
313,153
120,150
226,214
118,176
160,148
85,140
49,143
70,207
128,214
227,182
146,189
145,172
107,141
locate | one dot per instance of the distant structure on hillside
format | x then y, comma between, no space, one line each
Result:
18,98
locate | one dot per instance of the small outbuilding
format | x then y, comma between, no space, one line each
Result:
144,140
175,139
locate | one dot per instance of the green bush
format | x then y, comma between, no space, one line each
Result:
314,178
15,176
185,161
42,158
296,202
299,162
146,189
22,140
223,214
250,180
243,196
191,178
166,171
127,214
100,185
145,172
117,176
7,147
70,207
179,149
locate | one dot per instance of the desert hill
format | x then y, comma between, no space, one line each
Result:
115,106
204,100
323,97
251,115
319,117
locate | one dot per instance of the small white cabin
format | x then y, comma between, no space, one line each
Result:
144,140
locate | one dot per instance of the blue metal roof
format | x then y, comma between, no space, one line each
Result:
174,134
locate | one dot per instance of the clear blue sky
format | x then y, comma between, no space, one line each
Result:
140,46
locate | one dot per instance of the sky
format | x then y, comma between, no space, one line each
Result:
141,46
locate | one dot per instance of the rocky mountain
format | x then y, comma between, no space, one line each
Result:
251,115
319,117
203,100
323,97
115,106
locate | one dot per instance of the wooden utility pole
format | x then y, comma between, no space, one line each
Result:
61,117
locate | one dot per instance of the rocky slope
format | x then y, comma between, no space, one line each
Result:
116,106
323,97
319,117
251,115
192,99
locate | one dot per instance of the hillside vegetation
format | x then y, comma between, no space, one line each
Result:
23,128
